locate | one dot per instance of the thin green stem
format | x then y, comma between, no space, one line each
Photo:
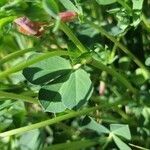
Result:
21,66
9,5
121,46
58,119
108,140
21,52
72,37
122,114
47,122
146,24
80,144
14,55
97,64
138,147
122,3
18,97
112,55
112,72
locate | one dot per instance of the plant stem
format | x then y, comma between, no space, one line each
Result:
21,52
146,24
75,145
123,3
55,120
18,97
112,72
72,37
10,4
138,147
112,55
47,122
122,47
14,55
107,141
21,66
95,63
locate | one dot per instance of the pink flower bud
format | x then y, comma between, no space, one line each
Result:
102,87
67,16
28,27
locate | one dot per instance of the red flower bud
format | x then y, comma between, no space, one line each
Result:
67,16
28,27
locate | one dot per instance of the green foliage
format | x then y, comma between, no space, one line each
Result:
69,5
51,7
78,83
6,20
31,140
60,79
46,70
147,62
121,145
115,131
137,4
76,145
11,114
89,123
106,2
121,130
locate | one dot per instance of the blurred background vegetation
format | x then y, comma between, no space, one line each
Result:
128,21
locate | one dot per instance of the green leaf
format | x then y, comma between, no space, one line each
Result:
140,71
50,98
4,21
75,145
147,62
146,115
51,7
11,114
37,11
123,19
69,5
124,63
87,30
71,91
121,130
137,4
106,2
47,70
31,140
90,123
77,90
136,18
2,2
121,145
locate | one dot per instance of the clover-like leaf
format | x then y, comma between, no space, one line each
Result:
121,145
91,124
46,70
51,100
121,130
69,91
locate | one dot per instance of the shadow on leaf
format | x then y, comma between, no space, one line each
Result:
38,76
